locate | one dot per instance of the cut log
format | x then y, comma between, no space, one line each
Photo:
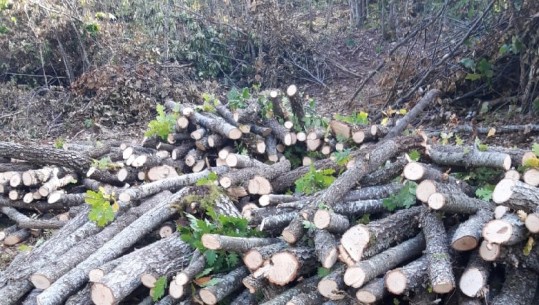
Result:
44,277
407,278
332,222
145,224
17,237
372,292
365,271
243,161
532,221
254,258
509,230
276,223
403,123
296,104
274,199
489,252
45,155
473,281
304,298
82,297
181,151
440,271
519,288
457,203
271,148
332,285
287,265
468,233
26,222
225,285
373,192
325,247
513,175
198,133
167,229
307,285
259,186
235,244
428,187
295,230
366,240
56,183
282,134
468,157
380,153
196,265
516,195
35,177
269,172
360,207
125,278
172,183
531,177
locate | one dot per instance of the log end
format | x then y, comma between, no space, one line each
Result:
253,259
207,296
531,177
395,282
177,290
489,252
503,191
102,295
443,288
234,134
40,281
330,290
322,219
497,231
532,222
211,241
424,190
465,243
436,201
471,282
125,197
413,171
354,277
365,296
284,268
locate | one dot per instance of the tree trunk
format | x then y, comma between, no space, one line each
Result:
516,195
235,244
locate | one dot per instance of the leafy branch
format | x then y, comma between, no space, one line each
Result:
163,125
315,180
103,206
405,198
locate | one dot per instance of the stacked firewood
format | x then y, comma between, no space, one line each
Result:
416,253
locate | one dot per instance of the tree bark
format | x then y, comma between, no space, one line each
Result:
226,285
468,233
407,278
45,155
172,183
440,271
457,203
468,157
516,195
367,240
519,288
332,222
325,247
235,244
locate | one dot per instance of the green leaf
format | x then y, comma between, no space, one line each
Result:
535,149
204,272
159,288
485,192
232,259
308,225
414,155
473,76
211,257
468,63
321,271
101,207
163,125
405,198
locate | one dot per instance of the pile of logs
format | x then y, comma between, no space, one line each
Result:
450,246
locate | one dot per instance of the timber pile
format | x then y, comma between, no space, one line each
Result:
395,254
